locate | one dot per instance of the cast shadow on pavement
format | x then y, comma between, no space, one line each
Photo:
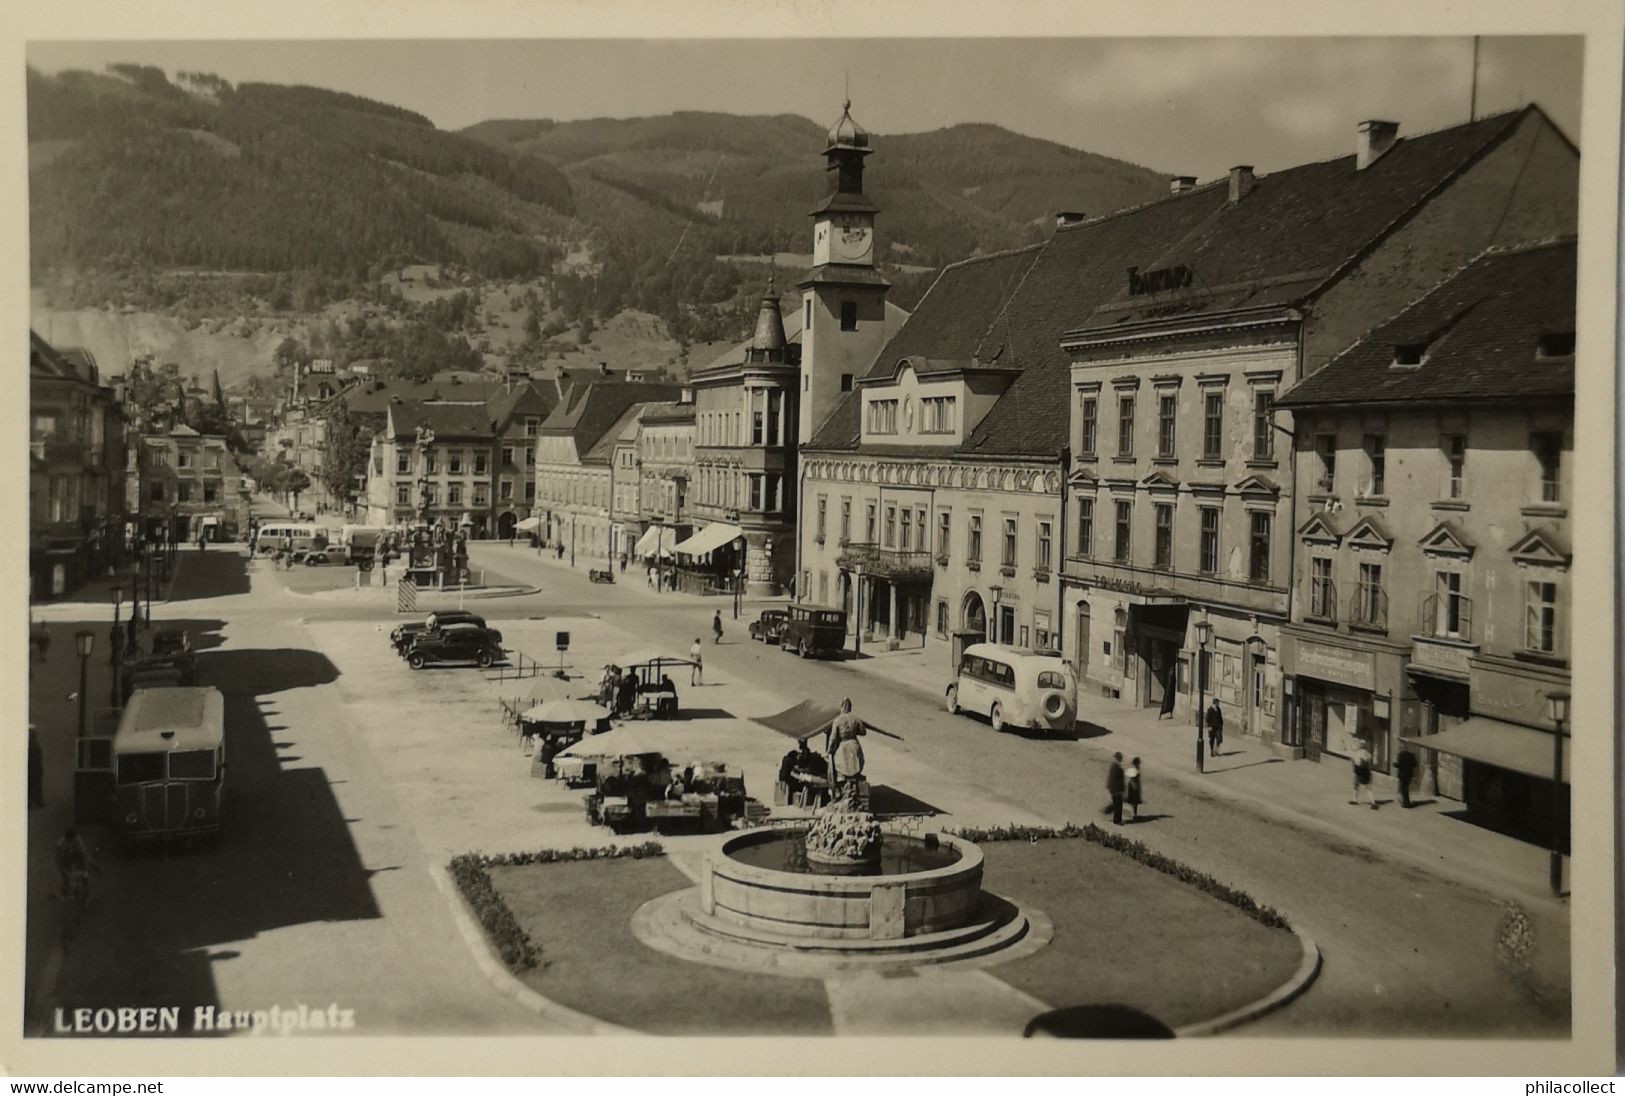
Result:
168,911
1097,1022
887,800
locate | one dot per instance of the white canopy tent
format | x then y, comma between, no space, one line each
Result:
709,539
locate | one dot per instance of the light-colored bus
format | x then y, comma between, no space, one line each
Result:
169,763
1015,687
289,534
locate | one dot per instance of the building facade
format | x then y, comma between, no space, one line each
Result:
77,466
437,455
185,486
1432,606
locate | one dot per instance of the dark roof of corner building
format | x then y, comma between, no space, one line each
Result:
590,410
1478,333
1241,255
69,363
521,398
668,414
449,421
603,450
373,397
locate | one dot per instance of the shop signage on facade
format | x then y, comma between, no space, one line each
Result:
1337,665
1513,697
1442,656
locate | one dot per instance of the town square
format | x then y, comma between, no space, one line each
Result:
709,574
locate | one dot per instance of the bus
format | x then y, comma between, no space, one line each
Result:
169,763
289,534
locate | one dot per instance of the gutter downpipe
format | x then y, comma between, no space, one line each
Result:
1064,458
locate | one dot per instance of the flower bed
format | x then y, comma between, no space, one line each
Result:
470,872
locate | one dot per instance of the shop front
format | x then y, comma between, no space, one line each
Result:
1342,697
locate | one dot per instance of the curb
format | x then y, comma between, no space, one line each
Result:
343,593
1286,992
503,981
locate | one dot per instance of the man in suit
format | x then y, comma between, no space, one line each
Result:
1115,785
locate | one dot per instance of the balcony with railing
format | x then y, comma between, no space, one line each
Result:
1444,633
1368,609
885,562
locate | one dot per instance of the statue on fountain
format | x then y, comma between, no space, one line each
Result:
843,834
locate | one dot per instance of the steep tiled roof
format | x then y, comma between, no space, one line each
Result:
1287,236
603,450
668,413
592,409
955,312
447,420
521,398
373,397
1478,335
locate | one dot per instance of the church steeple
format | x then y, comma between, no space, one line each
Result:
847,146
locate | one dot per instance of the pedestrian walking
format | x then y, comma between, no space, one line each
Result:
1215,728
42,640
1362,778
623,563
1116,786
716,627
36,771
694,654
558,551
1131,791
1405,771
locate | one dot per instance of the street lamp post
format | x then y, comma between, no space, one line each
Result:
85,641
739,572
1557,706
996,591
1204,632
115,641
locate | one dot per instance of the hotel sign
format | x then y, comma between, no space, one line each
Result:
1337,665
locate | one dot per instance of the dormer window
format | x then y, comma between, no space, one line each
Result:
1409,355
1555,344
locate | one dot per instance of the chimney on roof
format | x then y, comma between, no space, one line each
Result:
1375,138
1179,184
1070,217
1241,182
603,369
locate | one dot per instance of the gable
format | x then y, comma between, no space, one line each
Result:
1369,533
1320,529
1447,539
1258,485
1541,547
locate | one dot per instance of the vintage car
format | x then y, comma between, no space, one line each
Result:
171,650
456,643
769,626
404,634
1015,687
813,631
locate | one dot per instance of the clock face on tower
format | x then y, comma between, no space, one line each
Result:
853,240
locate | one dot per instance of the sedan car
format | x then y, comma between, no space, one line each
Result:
456,643
403,634
769,627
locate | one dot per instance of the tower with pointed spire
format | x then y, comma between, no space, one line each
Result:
844,299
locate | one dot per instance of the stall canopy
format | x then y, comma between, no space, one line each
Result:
1504,745
709,539
809,719
648,656
567,711
653,538
528,524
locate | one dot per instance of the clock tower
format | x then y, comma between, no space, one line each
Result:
844,299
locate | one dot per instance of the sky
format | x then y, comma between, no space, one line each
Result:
1178,105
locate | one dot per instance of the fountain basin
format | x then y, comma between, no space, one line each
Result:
920,886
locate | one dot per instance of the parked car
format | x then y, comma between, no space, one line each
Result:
769,627
813,631
403,634
1015,687
171,650
456,643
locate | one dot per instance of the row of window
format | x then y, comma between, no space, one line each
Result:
1546,446
457,461
480,496
209,491
668,445
903,527
1447,613
938,415
1213,415
730,488
1261,525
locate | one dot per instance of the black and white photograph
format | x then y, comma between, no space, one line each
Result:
814,529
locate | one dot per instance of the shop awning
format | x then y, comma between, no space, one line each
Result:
709,539
1504,745
528,524
651,538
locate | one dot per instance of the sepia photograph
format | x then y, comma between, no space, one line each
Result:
1043,535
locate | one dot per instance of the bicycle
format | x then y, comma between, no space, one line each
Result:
75,898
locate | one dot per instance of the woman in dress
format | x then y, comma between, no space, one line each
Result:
1131,795
845,751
